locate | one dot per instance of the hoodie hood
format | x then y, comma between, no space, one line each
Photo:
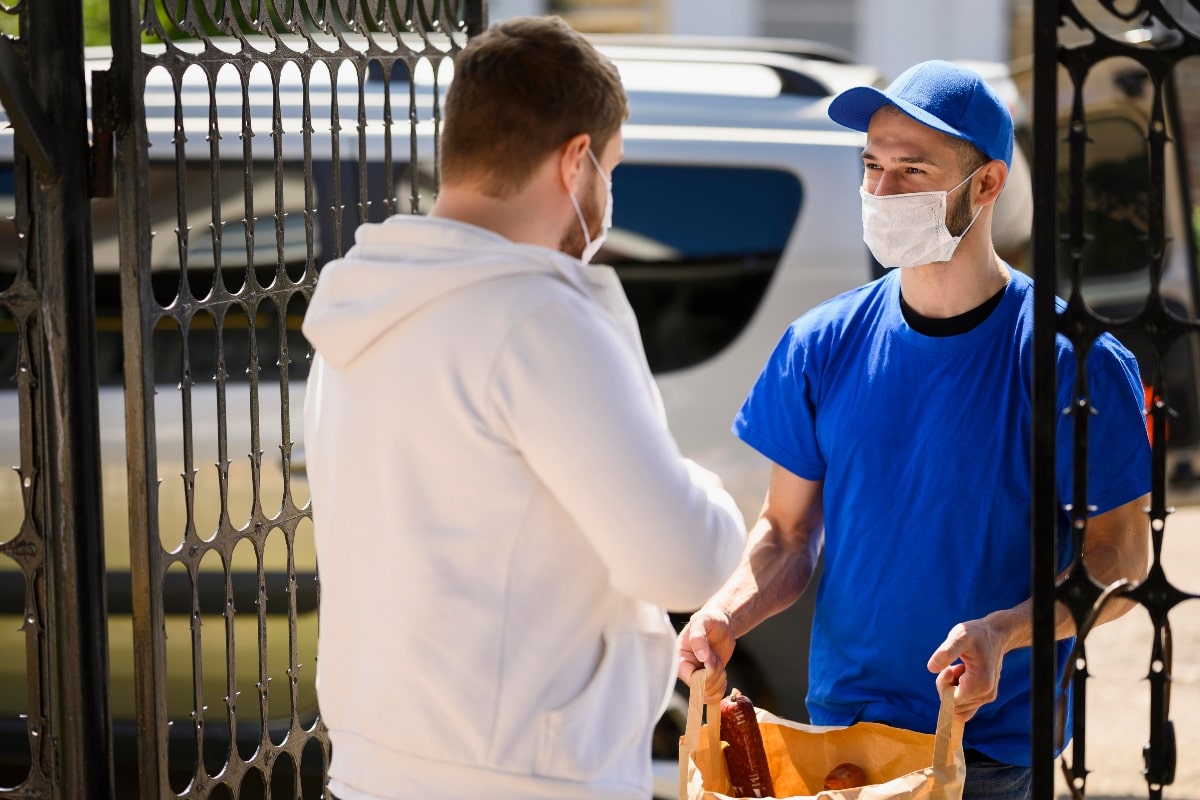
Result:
404,264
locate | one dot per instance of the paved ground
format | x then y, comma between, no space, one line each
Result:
1118,710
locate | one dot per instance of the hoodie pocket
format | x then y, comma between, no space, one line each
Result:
599,734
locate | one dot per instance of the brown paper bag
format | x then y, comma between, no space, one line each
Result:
900,764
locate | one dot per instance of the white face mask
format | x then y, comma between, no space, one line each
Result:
907,230
592,246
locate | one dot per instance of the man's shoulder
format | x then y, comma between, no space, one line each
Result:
833,315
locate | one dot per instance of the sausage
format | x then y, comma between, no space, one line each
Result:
745,757
845,776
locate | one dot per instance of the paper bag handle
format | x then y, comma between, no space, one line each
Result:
691,733
948,736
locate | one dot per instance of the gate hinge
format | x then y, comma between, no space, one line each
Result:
103,129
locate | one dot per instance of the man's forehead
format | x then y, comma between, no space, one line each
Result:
906,139
889,117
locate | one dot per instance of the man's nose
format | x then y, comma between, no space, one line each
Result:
885,183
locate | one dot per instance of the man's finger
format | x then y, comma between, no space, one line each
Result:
949,677
964,707
947,653
698,643
714,687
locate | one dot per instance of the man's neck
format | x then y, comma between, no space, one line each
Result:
530,216
954,287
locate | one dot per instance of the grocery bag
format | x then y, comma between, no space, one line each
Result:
900,764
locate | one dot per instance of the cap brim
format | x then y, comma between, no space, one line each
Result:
854,108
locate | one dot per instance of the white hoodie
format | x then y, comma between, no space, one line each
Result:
500,517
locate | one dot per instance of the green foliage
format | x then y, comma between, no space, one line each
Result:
8,24
1196,229
95,22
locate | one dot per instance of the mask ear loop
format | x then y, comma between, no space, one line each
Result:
587,237
953,188
964,180
596,163
977,213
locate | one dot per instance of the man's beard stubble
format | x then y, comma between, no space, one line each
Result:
958,217
572,242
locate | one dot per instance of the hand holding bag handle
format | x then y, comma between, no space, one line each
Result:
948,736
690,741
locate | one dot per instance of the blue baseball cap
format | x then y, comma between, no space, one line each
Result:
946,97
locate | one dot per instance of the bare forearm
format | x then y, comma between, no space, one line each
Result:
774,572
775,569
1116,547
1106,565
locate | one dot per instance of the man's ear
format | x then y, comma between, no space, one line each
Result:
572,158
990,181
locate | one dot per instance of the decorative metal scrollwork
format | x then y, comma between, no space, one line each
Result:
1136,44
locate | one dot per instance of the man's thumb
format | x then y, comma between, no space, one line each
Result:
943,657
698,642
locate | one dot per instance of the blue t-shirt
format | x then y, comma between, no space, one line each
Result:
924,447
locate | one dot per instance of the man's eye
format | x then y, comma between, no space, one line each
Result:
870,167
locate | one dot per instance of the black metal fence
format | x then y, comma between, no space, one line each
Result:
162,579
1074,41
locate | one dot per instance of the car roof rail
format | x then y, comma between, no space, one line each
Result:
804,68
802,48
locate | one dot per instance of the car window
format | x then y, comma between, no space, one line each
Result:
202,343
1187,87
9,331
1116,191
9,254
696,248
8,205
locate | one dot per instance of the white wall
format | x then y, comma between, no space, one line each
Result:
894,35
713,17
832,22
506,9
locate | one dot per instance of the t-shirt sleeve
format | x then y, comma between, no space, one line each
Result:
1119,466
778,417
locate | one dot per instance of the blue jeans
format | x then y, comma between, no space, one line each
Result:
994,780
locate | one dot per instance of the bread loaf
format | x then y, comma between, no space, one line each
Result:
845,776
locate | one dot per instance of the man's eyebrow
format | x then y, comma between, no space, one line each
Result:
915,159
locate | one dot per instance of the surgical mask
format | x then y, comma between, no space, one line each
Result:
907,230
592,246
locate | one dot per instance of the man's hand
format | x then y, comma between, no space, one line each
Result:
707,641
971,656
1116,546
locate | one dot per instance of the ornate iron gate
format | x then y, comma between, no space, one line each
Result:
1073,41
241,142
51,551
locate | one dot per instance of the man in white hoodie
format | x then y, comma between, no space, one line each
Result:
501,514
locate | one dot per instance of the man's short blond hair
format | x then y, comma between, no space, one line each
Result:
520,91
